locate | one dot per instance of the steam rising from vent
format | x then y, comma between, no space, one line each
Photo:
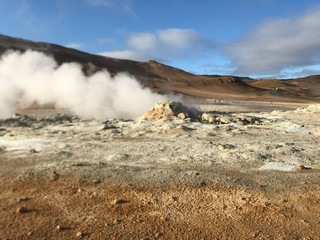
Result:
31,77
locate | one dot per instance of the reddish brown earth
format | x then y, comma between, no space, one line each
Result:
71,208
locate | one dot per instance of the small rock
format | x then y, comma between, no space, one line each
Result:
182,116
175,198
254,234
207,117
117,221
23,199
54,176
304,221
22,210
34,151
159,234
119,201
79,234
267,204
96,181
302,167
203,184
60,228
108,127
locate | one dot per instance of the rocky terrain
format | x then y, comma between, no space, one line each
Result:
242,163
174,173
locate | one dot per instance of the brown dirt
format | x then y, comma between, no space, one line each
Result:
87,210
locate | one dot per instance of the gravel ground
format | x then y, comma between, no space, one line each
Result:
244,174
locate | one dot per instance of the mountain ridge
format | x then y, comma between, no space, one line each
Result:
163,78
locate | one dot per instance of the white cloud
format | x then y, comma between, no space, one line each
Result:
128,54
142,41
74,45
277,45
173,43
179,38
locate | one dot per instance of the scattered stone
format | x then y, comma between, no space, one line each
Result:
60,228
2,132
79,234
202,184
65,154
182,116
23,199
185,128
227,146
18,120
267,204
159,234
119,201
207,117
82,164
175,198
116,131
54,176
224,118
108,126
60,118
22,210
34,151
301,168
117,222
96,181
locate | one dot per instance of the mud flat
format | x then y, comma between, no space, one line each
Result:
219,175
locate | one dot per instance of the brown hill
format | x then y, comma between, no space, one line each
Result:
307,87
166,79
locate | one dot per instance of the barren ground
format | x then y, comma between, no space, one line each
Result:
255,174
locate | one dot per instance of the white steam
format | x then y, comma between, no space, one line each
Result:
33,77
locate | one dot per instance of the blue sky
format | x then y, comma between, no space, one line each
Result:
257,38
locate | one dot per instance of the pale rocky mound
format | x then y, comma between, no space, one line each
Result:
227,118
168,110
312,108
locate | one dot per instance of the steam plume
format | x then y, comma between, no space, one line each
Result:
32,76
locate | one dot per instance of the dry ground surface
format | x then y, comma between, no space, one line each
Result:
249,174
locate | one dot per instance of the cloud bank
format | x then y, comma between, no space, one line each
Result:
277,45
33,77
172,43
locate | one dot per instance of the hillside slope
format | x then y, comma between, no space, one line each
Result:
166,79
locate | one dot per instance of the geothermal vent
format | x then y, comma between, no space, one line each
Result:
167,110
